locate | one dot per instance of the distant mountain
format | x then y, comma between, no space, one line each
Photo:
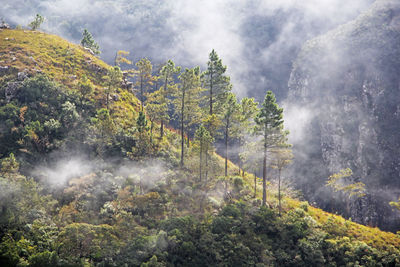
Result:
347,83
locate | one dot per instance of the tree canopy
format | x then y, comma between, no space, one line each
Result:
88,42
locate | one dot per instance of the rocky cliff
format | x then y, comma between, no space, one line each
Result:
347,82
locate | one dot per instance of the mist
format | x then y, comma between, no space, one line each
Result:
257,40
59,172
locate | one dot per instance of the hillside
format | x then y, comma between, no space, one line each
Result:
347,83
86,185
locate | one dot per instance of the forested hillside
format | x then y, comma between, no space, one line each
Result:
104,167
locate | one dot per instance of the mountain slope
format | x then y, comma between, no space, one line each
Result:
348,85
121,208
49,54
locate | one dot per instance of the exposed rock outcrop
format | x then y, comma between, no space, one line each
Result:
349,82
11,90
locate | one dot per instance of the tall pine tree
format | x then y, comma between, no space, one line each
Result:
229,118
144,79
269,125
216,82
112,81
245,125
186,102
204,140
167,74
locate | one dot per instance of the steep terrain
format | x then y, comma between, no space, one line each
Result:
78,193
347,83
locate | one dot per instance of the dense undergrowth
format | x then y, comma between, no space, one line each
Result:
134,205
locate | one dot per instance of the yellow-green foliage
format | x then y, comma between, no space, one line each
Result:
54,56
334,224
67,63
337,225
338,182
63,61
395,204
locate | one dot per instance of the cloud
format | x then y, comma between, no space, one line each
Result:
258,40
297,119
62,170
66,166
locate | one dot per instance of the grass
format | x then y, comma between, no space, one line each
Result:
61,60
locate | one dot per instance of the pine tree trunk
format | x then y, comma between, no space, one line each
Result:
141,92
211,93
265,175
226,149
240,160
255,185
162,129
206,174
279,191
182,128
201,154
164,101
151,132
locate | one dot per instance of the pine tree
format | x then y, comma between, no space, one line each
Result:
120,58
102,131
186,102
247,112
281,157
251,160
141,122
145,79
167,74
229,118
142,147
212,124
35,24
204,140
156,109
269,125
86,88
348,185
129,72
88,42
112,81
217,83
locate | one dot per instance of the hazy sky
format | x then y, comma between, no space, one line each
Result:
257,39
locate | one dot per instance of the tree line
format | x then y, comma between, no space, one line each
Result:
203,107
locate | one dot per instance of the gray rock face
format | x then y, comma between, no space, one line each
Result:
11,90
22,75
349,82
